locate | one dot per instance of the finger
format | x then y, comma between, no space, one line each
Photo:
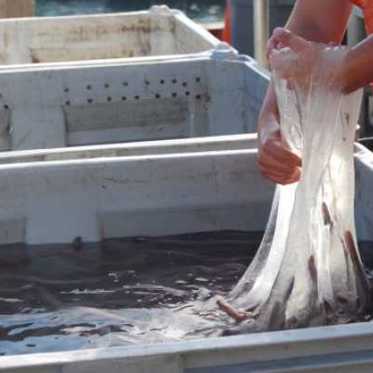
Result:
278,173
282,153
286,147
284,62
297,174
294,178
270,162
278,151
273,41
271,45
288,39
275,168
281,178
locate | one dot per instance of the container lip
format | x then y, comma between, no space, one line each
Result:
110,62
76,16
314,341
59,165
146,146
207,55
152,151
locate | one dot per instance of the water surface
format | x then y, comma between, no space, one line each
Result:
121,292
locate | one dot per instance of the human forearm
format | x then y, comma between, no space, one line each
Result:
311,20
357,70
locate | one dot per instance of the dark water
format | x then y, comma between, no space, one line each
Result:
201,10
123,292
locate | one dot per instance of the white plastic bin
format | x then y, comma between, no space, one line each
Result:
83,103
154,192
102,192
82,80
169,193
157,32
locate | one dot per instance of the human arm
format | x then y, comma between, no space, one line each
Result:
310,19
357,70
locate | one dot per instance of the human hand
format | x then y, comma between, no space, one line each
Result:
275,160
292,57
283,38
298,60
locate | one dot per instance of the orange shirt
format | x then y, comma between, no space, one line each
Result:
358,2
367,8
227,32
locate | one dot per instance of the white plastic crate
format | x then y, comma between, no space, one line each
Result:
96,102
150,191
155,188
157,32
168,193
